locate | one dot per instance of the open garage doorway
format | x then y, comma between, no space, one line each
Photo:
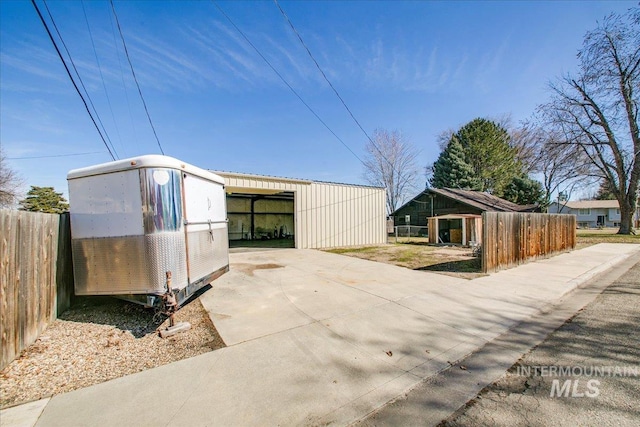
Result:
261,220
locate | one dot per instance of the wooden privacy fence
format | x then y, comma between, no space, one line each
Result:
512,238
36,277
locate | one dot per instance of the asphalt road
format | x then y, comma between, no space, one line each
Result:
600,346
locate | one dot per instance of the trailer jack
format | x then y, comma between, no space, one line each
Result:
169,308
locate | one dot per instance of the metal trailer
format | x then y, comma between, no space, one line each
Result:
149,229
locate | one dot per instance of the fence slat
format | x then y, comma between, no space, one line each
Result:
513,238
30,256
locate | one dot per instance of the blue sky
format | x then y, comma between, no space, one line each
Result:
419,67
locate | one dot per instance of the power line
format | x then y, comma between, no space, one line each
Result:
320,69
104,86
285,82
73,64
124,86
293,28
126,51
46,27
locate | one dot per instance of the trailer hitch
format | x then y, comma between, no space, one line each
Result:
169,308
169,302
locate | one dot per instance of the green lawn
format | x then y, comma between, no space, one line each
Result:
592,237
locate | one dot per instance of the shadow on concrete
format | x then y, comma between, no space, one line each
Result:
463,266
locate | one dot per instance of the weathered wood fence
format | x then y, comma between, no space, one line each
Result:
513,238
36,276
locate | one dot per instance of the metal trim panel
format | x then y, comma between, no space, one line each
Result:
208,251
108,205
129,264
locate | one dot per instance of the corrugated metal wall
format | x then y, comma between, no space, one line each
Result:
326,214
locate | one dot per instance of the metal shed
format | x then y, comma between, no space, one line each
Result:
318,214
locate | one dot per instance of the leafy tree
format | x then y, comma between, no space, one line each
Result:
44,199
451,170
487,150
543,151
390,162
597,109
524,191
10,183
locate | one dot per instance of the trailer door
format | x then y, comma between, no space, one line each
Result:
205,227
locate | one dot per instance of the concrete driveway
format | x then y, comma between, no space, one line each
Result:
318,338
357,332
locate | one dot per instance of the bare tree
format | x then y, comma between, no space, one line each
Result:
390,162
597,110
444,137
563,167
10,184
526,140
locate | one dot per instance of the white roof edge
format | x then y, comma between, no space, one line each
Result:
145,161
293,180
267,177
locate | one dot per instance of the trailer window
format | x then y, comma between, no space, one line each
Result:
162,200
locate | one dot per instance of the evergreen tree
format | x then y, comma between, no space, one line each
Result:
524,191
486,148
605,192
44,199
451,170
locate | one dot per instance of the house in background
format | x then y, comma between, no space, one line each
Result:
449,215
593,213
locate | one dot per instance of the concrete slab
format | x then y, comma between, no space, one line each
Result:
444,393
23,415
320,298
468,314
291,378
143,399
397,335
308,334
248,307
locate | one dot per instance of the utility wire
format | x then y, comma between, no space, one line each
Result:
126,51
285,82
124,86
104,86
73,65
293,28
46,27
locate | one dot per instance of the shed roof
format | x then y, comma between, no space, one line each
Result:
285,179
483,201
477,199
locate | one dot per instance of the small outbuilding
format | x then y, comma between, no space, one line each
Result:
269,211
452,215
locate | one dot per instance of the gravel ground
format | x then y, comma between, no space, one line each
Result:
603,334
99,339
